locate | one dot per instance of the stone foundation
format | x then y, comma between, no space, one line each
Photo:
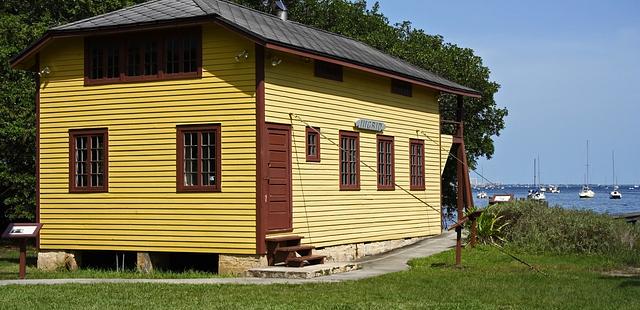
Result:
53,261
351,252
239,264
144,264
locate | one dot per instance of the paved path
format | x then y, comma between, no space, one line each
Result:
393,261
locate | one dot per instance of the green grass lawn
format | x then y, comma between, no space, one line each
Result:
9,269
488,280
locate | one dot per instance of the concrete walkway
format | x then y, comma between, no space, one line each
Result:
372,266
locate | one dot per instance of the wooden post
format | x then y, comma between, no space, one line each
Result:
459,246
459,137
23,258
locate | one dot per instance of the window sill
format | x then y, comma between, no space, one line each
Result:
142,79
348,189
198,190
87,190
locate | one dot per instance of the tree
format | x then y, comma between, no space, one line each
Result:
22,22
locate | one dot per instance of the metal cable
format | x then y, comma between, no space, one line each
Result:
291,115
459,160
304,201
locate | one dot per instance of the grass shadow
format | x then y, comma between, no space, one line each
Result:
31,261
631,282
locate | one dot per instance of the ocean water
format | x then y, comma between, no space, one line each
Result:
568,198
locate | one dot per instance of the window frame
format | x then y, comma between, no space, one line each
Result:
401,88
89,132
316,132
199,128
325,70
412,184
355,135
385,139
123,41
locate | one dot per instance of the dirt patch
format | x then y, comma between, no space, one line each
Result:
629,272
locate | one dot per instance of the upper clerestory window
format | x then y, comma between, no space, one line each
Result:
326,70
401,88
157,55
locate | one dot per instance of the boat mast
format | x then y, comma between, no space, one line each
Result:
534,172
613,161
587,179
539,164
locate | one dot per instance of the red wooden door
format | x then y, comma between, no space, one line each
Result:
278,187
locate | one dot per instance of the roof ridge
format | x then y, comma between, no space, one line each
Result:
105,14
334,34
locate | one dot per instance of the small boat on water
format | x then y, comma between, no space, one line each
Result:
586,192
554,189
615,194
536,195
482,195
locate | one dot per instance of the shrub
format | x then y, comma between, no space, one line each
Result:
537,228
489,226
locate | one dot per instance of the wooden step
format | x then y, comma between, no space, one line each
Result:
300,261
295,248
283,238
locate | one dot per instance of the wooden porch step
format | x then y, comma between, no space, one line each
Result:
283,238
300,260
296,248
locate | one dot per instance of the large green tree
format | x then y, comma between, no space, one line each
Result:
21,22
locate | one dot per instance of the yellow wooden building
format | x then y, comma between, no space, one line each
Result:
201,126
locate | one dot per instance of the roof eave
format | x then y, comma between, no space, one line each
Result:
17,61
20,61
355,65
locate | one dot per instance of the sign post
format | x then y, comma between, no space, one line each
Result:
22,231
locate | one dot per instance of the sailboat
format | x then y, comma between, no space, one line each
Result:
536,194
586,191
615,194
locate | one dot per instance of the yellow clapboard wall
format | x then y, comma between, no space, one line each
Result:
323,214
142,211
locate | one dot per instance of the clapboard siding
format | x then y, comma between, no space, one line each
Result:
142,211
322,213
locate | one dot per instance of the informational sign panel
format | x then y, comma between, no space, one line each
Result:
367,124
501,198
22,230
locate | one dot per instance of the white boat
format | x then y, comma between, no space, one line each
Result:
537,195
586,191
482,195
543,189
615,194
554,189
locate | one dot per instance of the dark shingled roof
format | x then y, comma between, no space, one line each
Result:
266,27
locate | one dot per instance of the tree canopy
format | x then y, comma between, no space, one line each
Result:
22,22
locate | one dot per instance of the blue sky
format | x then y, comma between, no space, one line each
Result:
569,70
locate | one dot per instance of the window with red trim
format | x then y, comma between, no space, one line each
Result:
154,55
349,160
416,164
198,150
88,160
313,144
327,70
385,163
